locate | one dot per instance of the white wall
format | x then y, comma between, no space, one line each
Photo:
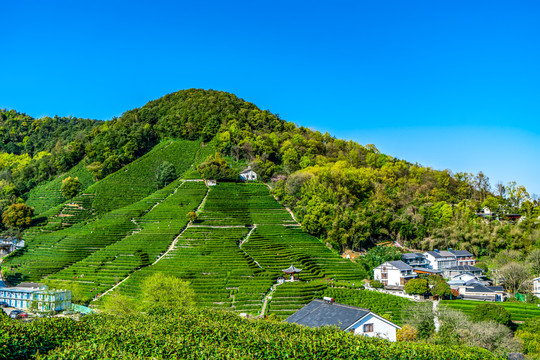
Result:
250,175
394,276
381,328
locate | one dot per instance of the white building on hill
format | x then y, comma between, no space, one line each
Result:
536,287
440,260
394,273
248,174
29,295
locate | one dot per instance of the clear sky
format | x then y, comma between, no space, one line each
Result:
452,84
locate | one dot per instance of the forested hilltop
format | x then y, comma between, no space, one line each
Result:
350,195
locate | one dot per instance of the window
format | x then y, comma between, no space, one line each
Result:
368,328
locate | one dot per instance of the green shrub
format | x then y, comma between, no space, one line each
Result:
495,312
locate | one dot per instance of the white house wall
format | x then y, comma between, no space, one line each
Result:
394,276
381,328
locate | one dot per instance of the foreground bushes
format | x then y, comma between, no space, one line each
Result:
197,334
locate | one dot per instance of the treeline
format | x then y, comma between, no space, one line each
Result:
351,195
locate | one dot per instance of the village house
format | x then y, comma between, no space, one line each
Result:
30,295
536,287
415,260
462,269
394,273
248,174
9,245
463,257
474,290
347,318
440,260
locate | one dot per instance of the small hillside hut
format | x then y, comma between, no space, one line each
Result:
248,174
291,270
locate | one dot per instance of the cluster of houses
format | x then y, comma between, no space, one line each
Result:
34,296
457,266
9,245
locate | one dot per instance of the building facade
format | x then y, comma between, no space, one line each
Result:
463,257
415,260
440,260
35,296
248,175
536,287
394,273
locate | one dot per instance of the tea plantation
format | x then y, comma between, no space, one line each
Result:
234,254
202,334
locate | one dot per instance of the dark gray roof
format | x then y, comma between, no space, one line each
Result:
322,313
29,285
440,254
412,256
461,253
465,268
400,265
291,269
479,288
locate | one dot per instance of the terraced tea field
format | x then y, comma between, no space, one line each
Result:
233,254
100,216
156,230
518,310
48,195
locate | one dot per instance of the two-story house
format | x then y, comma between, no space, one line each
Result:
416,260
394,273
440,260
35,295
463,257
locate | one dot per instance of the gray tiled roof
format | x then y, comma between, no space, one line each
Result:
461,253
400,265
321,313
412,256
29,285
466,268
479,288
440,254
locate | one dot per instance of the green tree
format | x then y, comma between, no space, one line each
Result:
165,174
441,289
167,292
215,167
487,312
417,286
191,216
70,187
18,215
376,284
118,304
381,254
534,261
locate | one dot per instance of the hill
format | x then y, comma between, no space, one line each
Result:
350,195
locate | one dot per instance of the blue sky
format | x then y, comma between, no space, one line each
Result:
450,85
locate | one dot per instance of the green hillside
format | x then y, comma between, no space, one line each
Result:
77,228
233,254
